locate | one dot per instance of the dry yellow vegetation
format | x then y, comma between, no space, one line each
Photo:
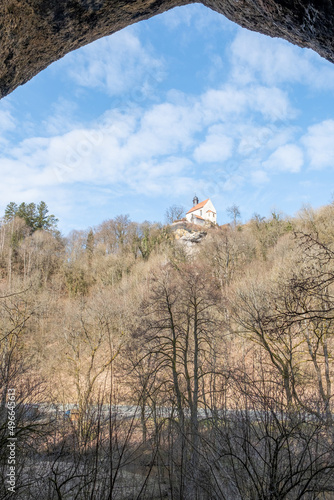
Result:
144,370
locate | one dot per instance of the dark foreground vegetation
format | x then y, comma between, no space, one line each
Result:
141,370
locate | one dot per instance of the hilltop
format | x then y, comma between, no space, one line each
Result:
215,353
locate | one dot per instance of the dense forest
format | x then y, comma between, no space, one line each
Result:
142,369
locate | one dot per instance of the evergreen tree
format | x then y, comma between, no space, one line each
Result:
42,219
35,216
10,211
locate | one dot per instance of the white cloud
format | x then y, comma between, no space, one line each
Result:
217,147
165,128
116,65
259,177
61,119
230,102
143,150
239,123
272,61
271,102
139,150
261,140
253,138
7,121
178,16
198,17
217,103
148,150
319,144
155,177
288,158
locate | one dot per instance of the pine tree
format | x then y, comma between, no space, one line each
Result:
35,217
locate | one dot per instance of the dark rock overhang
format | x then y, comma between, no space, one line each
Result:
35,33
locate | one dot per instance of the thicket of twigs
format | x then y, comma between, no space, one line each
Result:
143,371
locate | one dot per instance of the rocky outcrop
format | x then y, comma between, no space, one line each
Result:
34,33
188,237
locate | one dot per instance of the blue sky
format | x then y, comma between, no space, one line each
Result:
184,103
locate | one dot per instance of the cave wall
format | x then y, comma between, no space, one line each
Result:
35,33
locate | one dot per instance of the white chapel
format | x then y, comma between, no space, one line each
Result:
202,213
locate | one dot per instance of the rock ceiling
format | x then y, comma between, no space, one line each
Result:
34,33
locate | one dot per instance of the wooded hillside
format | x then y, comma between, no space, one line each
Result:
222,357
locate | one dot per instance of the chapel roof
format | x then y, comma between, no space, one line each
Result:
198,206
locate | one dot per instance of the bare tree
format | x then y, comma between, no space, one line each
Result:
234,213
292,317
265,449
174,212
178,323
